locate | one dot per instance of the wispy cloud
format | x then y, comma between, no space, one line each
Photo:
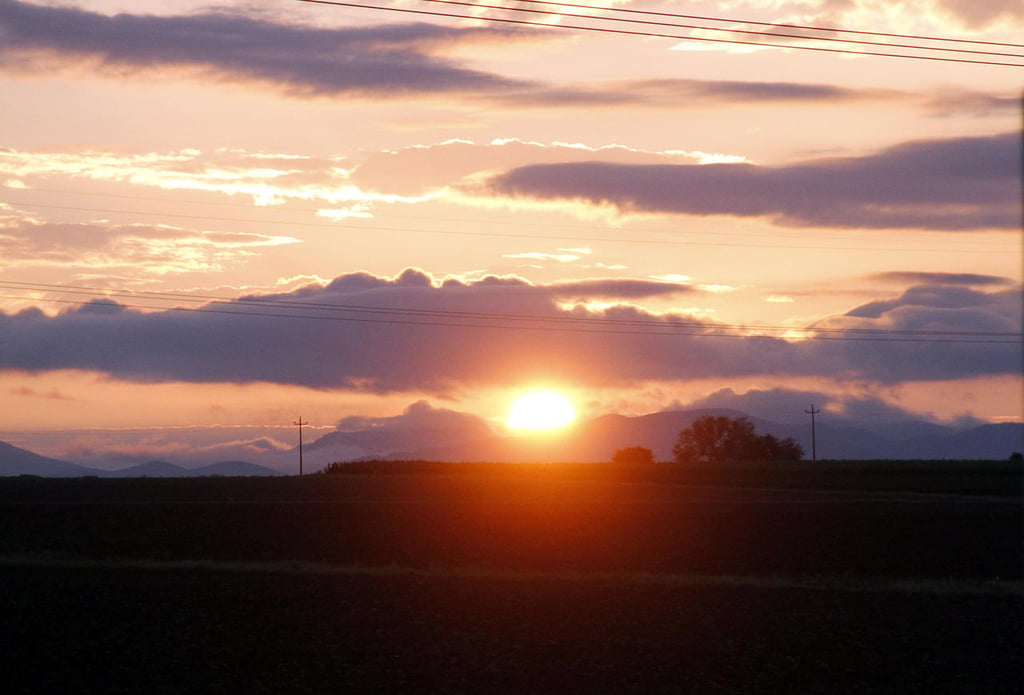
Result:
134,248
542,256
905,277
266,178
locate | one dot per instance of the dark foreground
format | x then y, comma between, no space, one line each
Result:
359,585
151,631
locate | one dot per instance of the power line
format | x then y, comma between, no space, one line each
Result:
884,44
682,37
774,234
499,235
450,318
807,27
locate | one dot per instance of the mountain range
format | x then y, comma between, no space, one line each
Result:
456,437
17,461
597,439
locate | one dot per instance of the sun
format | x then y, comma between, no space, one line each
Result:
540,410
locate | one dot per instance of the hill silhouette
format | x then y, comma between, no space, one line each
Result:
597,439
17,461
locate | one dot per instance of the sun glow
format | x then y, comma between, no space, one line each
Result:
540,410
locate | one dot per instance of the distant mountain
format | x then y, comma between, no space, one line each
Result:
597,439
164,469
16,461
995,441
465,439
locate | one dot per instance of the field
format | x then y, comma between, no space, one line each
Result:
520,579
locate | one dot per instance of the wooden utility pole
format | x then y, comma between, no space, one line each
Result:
300,423
814,439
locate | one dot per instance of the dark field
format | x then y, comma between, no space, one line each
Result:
532,582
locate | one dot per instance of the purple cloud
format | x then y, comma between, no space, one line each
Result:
409,333
392,60
301,60
956,185
790,406
616,288
920,278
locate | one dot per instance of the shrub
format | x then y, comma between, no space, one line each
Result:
633,455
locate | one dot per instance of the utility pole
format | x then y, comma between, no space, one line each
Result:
300,423
814,439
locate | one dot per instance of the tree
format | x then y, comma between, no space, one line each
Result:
633,455
720,439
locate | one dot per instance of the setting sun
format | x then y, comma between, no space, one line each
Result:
540,410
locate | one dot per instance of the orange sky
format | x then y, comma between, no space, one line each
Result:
473,199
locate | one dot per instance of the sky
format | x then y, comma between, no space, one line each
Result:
219,218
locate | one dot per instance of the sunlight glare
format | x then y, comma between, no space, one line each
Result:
540,410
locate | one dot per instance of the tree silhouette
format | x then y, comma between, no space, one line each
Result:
720,439
633,455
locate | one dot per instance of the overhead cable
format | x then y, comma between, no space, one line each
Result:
733,20
748,32
507,235
681,37
283,308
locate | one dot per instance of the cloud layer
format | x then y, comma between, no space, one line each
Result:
301,60
381,335
381,61
127,248
957,184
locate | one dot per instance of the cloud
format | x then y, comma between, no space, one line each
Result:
421,169
717,92
788,405
542,256
973,103
134,248
977,15
957,184
115,449
849,410
928,311
305,61
420,416
935,14
410,332
350,186
920,278
616,288
267,178
690,94
53,394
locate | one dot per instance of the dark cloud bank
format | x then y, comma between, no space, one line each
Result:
303,60
376,334
387,60
958,184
